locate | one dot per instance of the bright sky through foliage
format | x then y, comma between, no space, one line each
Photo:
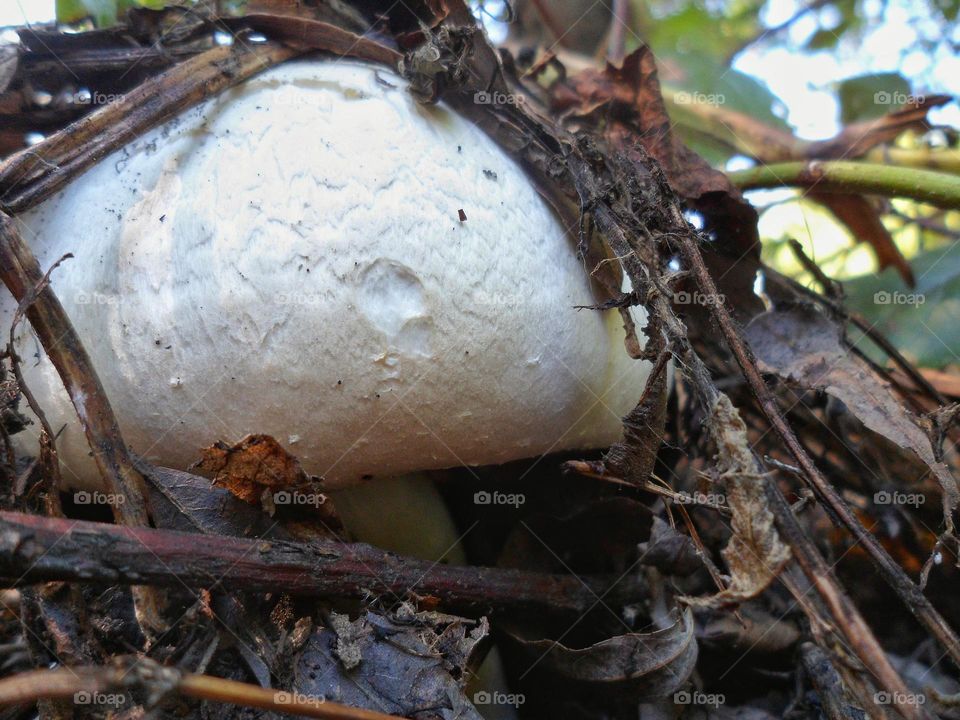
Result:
802,80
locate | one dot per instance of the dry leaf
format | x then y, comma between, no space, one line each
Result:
620,670
251,466
755,553
407,663
629,102
803,346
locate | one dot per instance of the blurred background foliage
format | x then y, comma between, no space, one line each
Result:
752,81
803,70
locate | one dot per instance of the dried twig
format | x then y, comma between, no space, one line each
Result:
21,273
36,548
894,575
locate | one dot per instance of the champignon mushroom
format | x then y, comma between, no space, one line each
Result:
316,256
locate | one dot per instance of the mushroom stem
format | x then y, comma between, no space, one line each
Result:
405,514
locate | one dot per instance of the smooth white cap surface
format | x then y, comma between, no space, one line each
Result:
288,259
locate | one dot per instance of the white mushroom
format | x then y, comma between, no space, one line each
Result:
289,258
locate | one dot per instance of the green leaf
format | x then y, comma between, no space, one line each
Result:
922,322
824,39
104,13
870,96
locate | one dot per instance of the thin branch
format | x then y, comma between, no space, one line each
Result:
21,274
843,176
40,549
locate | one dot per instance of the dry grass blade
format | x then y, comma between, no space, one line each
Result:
160,682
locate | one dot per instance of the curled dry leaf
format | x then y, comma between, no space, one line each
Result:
621,669
803,346
188,503
755,553
857,138
248,468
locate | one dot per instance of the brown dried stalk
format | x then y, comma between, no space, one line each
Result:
36,549
21,274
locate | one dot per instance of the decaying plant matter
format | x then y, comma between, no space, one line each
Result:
617,589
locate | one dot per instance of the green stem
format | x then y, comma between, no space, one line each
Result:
841,176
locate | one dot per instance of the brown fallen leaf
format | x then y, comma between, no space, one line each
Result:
629,104
251,466
802,346
857,138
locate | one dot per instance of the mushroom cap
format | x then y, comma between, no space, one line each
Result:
288,258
